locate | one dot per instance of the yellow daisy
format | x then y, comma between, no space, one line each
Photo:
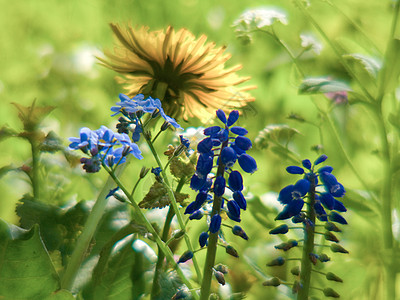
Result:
188,74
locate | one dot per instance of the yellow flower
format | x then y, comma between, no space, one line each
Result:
188,74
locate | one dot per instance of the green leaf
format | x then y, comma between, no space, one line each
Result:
317,85
364,63
280,134
123,276
158,197
60,295
390,72
26,271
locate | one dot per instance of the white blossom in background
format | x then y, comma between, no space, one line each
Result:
310,41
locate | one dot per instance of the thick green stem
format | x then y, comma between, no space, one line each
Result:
86,236
155,291
212,241
35,168
142,218
308,247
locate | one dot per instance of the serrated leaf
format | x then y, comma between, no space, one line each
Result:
157,197
51,143
26,271
6,132
181,169
317,85
390,72
32,116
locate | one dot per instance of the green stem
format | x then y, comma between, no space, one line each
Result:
308,247
35,168
142,218
174,204
212,241
155,291
82,244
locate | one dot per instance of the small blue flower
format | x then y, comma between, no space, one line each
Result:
237,230
215,223
247,163
232,118
235,181
240,200
184,141
294,170
234,209
197,215
306,164
203,239
221,115
185,257
156,171
228,157
219,186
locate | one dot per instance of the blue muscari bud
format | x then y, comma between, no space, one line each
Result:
233,217
228,156
191,208
112,192
331,184
197,215
234,209
291,209
321,213
323,257
238,150
205,146
247,163
181,294
301,187
196,205
327,200
184,141
332,227
185,257
243,142
240,200
295,170
197,183
339,206
281,229
203,239
219,186
335,217
239,130
156,171
338,191
215,223
320,159
285,195
306,164
237,230
233,117
298,218
204,165
221,115
327,169
235,181
313,258
279,261
212,131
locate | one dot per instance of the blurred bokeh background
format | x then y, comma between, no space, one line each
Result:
47,52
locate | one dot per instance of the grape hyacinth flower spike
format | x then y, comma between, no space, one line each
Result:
222,147
311,200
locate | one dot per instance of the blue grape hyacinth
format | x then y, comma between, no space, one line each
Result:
221,149
324,187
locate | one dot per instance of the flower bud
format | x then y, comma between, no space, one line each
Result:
237,230
197,215
143,172
329,236
294,170
185,257
313,258
335,217
221,268
296,286
306,164
220,277
323,257
177,234
328,292
295,271
215,223
281,229
279,261
181,294
231,251
333,277
203,239
287,245
274,281
338,248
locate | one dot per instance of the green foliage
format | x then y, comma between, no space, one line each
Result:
26,269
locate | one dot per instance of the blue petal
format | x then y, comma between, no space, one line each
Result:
302,187
222,135
327,200
307,164
320,159
243,142
203,239
339,206
240,200
197,215
247,163
336,217
205,145
327,169
221,115
204,165
290,210
215,223
235,181
228,156
219,186
199,184
239,130
233,208
321,213
211,131
294,170
285,195
233,117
